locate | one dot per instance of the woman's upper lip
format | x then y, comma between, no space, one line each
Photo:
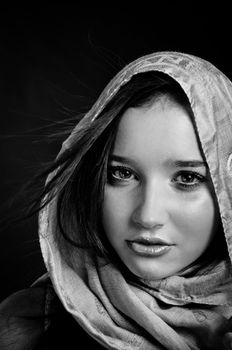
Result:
149,240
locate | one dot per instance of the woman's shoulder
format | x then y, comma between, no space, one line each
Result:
35,319
22,316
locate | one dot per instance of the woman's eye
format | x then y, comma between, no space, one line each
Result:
188,180
119,174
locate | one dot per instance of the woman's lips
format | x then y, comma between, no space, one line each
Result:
149,247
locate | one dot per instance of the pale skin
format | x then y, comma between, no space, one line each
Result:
158,188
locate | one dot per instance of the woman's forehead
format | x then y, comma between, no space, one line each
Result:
164,128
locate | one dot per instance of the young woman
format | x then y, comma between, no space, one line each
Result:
135,219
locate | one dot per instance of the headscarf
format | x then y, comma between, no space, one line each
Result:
179,312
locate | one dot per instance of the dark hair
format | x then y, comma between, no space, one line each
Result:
81,171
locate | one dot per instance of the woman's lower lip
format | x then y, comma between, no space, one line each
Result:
148,250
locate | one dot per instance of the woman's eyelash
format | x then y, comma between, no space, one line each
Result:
184,180
188,180
119,173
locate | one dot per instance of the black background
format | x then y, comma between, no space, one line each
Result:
55,58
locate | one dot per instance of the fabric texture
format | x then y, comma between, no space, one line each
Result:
34,319
179,312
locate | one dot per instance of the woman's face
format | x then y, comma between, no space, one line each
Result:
158,211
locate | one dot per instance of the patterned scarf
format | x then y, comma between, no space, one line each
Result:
188,311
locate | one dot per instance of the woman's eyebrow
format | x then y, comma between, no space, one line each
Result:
116,158
189,163
174,163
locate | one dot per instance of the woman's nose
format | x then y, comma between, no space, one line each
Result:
151,207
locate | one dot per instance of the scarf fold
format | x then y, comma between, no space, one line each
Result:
180,312
156,308
176,313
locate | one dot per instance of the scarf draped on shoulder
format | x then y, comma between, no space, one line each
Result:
187,311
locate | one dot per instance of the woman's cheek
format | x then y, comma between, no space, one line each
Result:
116,211
196,217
